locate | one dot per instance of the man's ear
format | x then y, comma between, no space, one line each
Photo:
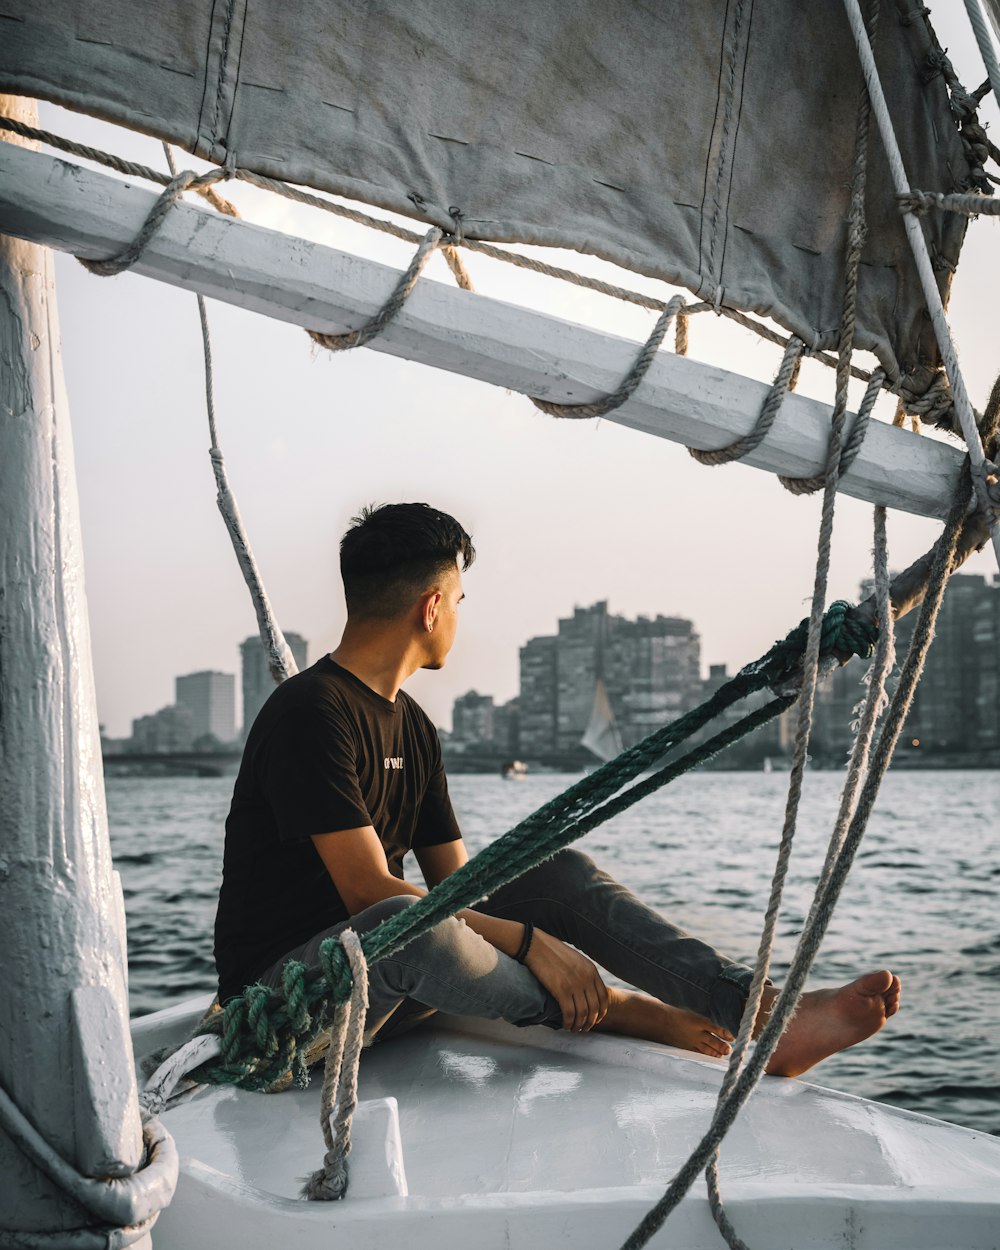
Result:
431,603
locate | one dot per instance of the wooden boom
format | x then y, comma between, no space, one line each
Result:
92,215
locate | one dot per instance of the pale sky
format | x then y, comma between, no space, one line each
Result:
562,513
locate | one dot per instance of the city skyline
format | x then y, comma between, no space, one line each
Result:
651,669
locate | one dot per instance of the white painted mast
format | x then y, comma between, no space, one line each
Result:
68,207
65,1055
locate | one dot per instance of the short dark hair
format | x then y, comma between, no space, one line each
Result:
393,552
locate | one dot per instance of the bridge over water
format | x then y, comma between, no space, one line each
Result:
174,763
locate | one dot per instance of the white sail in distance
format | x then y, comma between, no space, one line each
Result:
601,735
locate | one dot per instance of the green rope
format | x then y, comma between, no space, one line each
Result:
265,1032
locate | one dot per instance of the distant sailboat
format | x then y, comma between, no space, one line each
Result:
602,735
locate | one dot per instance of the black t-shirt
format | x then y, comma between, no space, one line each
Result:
325,753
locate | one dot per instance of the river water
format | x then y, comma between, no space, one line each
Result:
922,899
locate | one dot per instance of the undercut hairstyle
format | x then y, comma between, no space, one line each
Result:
395,552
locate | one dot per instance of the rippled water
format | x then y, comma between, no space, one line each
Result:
922,899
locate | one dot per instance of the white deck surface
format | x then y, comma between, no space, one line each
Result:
533,1138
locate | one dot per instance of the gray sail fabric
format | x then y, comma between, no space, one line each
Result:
709,144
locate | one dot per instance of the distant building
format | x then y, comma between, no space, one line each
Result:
652,673
257,682
581,640
538,698
649,670
162,733
956,708
210,697
507,729
472,719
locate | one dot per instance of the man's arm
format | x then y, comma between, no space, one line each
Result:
356,862
569,976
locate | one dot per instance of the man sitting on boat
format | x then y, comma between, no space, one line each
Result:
342,776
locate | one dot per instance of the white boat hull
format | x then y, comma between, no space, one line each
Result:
520,1139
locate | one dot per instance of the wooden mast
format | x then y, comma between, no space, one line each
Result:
65,1055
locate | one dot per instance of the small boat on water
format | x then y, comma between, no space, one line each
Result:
692,145
513,770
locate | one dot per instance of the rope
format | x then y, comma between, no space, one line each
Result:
820,914
856,233
784,382
969,203
631,380
809,485
926,271
731,1095
280,660
401,293
943,563
187,180
340,1080
874,703
985,41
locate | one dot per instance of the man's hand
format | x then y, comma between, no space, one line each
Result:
572,980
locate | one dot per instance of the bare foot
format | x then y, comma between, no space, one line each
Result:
828,1021
638,1015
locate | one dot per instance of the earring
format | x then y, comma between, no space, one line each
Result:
430,628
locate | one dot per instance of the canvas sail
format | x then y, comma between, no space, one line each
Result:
601,735
708,144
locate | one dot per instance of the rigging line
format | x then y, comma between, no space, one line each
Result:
944,553
626,388
856,232
734,1090
340,1080
429,244
874,703
784,382
280,660
852,446
835,468
978,22
918,245
969,203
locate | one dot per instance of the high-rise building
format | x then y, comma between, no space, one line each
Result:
538,697
257,681
652,672
638,674
162,732
210,697
955,707
472,719
507,728
580,647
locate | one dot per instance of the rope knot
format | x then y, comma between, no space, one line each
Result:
844,635
336,970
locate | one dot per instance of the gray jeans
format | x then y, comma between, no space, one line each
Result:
451,968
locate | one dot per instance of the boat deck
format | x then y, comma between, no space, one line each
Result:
531,1129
